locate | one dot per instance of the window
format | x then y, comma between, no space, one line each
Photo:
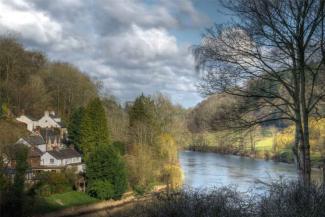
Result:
51,161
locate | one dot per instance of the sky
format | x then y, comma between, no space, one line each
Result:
131,46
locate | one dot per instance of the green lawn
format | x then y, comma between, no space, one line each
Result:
64,200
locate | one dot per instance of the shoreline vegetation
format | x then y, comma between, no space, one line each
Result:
261,142
267,157
79,203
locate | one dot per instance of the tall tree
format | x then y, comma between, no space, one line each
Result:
74,127
143,121
118,120
94,130
274,55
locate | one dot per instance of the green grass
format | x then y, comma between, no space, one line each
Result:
61,201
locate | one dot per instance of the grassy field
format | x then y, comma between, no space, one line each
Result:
64,200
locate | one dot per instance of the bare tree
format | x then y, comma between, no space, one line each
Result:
273,57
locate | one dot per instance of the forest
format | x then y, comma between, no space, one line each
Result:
263,82
132,146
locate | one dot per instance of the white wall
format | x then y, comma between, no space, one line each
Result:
47,121
46,160
30,124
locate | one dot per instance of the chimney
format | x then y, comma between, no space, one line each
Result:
52,113
46,113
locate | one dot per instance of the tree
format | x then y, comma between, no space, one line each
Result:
16,194
19,73
74,127
68,87
106,173
273,58
94,130
118,120
143,122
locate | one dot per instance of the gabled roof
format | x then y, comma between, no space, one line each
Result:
31,118
64,153
34,139
34,152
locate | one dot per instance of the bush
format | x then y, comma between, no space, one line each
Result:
284,199
293,199
52,183
101,189
120,147
172,176
106,164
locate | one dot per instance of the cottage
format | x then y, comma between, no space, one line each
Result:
62,158
49,120
31,123
33,140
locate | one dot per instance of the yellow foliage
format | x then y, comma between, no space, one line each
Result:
172,176
167,147
285,138
265,143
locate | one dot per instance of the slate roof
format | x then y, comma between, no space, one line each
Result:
34,140
34,152
31,118
64,153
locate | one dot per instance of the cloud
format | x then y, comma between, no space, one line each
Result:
126,43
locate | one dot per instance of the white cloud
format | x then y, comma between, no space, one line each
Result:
125,43
23,20
139,47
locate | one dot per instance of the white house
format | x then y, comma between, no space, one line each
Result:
30,122
33,140
49,120
62,158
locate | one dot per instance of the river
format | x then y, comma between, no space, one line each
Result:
205,170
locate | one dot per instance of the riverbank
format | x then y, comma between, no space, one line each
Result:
95,207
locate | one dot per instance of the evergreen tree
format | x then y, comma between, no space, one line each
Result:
93,129
105,168
74,127
143,110
143,121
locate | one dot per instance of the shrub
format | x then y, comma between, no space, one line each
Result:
120,147
106,164
52,183
101,189
172,176
283,199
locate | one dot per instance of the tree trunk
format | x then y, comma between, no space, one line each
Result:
305,151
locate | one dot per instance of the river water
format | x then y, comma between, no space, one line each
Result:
205,170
